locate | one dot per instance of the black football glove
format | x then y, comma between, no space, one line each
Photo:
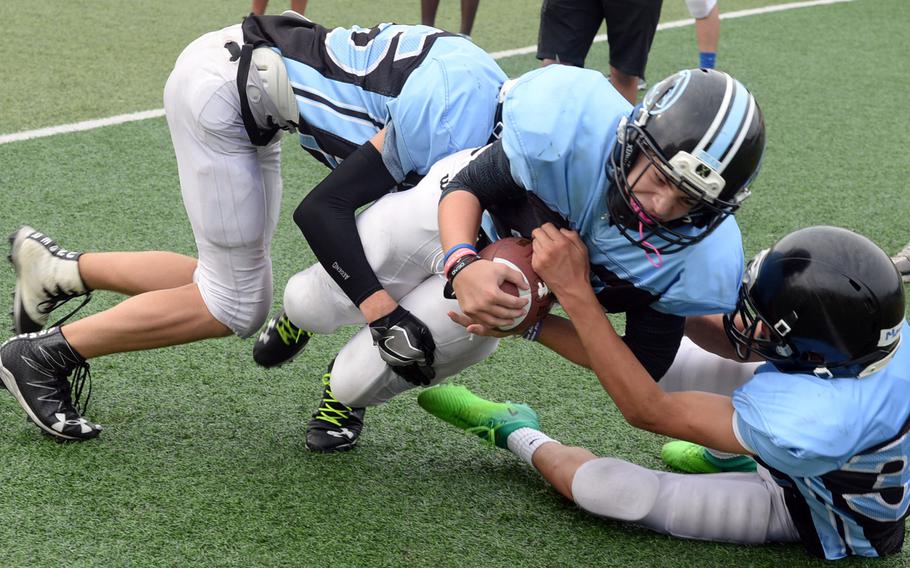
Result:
406,345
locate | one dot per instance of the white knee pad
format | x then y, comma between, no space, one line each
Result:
616,489
700,8
242,305
314,302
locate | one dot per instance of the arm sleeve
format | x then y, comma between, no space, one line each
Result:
489,178
654,338
326,218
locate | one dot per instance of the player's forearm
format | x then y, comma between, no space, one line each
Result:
459,219
558,334
708,333
641,401
326,218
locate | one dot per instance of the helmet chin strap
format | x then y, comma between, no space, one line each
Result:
641,237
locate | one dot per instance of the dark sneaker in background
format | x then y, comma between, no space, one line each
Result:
279,342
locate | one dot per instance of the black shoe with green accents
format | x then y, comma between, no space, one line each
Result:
279,342
334,427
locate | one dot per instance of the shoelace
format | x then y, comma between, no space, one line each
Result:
289,333
488,433
328,413
82,378
56,299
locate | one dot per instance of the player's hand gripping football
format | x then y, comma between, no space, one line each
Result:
406,345
479,329
561,260
480,297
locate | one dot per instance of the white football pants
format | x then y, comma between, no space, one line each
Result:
231,189
695,369
400,236
745,508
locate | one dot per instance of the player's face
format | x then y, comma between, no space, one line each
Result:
659,197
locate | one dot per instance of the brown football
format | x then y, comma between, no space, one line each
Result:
516,253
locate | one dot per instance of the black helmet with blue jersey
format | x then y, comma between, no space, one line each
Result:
704,131
830,302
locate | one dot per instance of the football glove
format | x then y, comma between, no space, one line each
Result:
406,345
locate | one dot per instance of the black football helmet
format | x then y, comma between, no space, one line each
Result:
704,131
831,303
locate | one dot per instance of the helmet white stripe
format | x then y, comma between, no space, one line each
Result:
744,129
718,118
732,125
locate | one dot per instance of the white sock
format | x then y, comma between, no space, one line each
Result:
525,441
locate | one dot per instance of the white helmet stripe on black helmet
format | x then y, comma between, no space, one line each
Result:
741,135
715,124
730,125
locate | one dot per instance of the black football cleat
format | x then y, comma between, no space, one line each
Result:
279,342
334,426
35,368
47,276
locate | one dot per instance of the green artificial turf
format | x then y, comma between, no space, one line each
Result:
202,461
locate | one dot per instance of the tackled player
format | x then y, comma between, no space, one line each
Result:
651,190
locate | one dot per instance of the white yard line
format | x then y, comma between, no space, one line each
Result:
134,116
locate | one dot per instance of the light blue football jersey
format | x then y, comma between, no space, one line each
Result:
436,92
839,447
559,128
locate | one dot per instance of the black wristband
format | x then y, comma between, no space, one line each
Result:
460,264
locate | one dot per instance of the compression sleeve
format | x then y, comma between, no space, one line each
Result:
654,338
326,217
488,177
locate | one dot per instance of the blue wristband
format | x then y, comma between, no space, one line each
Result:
533,332
449,252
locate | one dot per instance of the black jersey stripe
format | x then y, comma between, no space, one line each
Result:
339,109
305,42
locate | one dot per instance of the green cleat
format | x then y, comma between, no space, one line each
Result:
692,458
492,421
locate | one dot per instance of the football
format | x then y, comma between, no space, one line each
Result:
516,253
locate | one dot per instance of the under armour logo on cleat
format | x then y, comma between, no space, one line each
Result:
62,422
343,433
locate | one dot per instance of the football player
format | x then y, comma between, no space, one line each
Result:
650,189
827,417
377,105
